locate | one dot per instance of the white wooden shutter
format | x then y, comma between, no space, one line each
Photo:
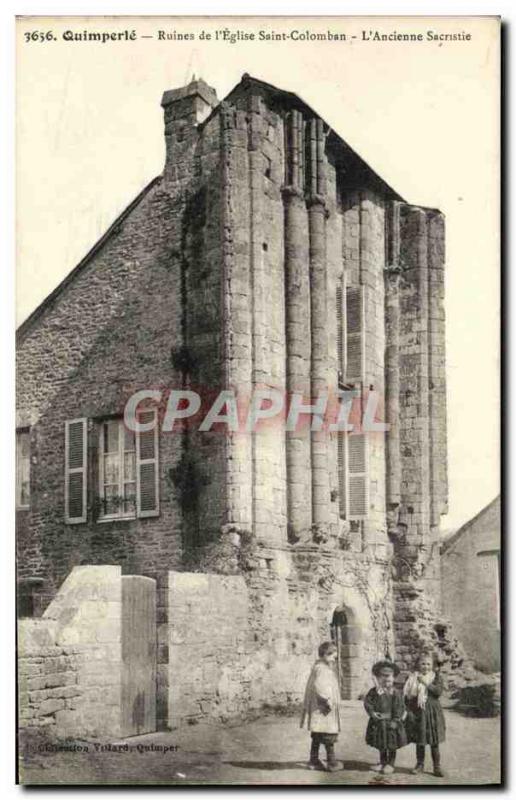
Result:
341,328
340,346
147,472
358,494
354,335
76,470
342,472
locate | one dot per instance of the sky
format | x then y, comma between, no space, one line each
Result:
424,115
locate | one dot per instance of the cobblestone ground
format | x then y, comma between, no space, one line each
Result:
271,750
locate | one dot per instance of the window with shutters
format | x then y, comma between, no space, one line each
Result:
23,469
128,469
117,470
357,484
352,458
354,335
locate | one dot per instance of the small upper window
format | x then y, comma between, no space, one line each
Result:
23,468
117,470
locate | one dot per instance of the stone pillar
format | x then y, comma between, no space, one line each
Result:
259,512
436,389
414,429
261,369
392,388
392,367
264,440
372,263
237,336
336,338
297,301
319,322
437,369
422,429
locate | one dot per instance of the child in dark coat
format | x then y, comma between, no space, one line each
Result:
386,709
425,718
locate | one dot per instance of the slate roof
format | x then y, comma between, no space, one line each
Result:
464,529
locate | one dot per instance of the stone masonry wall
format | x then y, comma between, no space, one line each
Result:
47,675
208,626
122,325
108,335
276,171
254,312
247,641
87,667
470,571
70,660
417,454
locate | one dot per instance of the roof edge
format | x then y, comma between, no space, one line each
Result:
247,79
27,324
454,537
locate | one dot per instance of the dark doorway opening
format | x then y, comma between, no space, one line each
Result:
345,635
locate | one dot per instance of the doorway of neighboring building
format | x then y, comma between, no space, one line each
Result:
345,634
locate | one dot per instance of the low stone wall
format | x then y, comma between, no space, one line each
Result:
208,617
236,642
70,659
47,673
239,643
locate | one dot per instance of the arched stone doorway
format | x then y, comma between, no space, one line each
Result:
345,633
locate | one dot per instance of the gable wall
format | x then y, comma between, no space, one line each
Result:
470,589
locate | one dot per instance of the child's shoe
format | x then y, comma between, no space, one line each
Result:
388,770
377,767
332,765
418,768
438,772
316,764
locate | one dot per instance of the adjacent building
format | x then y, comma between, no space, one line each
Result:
471,575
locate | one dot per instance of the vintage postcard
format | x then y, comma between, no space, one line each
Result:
258,449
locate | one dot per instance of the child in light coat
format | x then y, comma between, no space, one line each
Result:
321,708
425,718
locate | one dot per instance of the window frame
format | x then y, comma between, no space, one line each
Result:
120,515
18,485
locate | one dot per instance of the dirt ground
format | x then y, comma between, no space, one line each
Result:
270,750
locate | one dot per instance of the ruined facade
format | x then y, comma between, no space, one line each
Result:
267,254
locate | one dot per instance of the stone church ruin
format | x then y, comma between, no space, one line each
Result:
267,254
